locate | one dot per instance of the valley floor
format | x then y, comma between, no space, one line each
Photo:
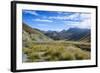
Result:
57,51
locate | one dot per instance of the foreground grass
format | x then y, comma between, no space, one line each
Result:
56,51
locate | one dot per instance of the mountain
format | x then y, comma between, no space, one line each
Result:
77,33
74,34
30,35
86,38
52,34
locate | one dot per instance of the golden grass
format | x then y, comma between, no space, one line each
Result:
55,52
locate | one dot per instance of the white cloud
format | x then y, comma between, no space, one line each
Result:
66,17
86,21
42,20
85,16
74,16
58,17
43,25
84,24
32,12
61,13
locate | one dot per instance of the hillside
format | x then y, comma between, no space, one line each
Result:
86,38
30,35
72,34
78,34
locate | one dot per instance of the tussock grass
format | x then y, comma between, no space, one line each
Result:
55,51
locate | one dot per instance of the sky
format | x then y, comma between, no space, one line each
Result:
56,20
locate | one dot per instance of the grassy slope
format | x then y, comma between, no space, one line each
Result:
35,34
56,51
29,35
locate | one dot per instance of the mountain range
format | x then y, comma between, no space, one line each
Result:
73,34
30,34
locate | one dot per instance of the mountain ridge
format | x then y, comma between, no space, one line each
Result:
73,34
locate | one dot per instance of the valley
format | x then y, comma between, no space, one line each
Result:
40,46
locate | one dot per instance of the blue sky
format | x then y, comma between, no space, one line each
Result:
56,20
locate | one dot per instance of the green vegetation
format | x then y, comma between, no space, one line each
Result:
55,51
